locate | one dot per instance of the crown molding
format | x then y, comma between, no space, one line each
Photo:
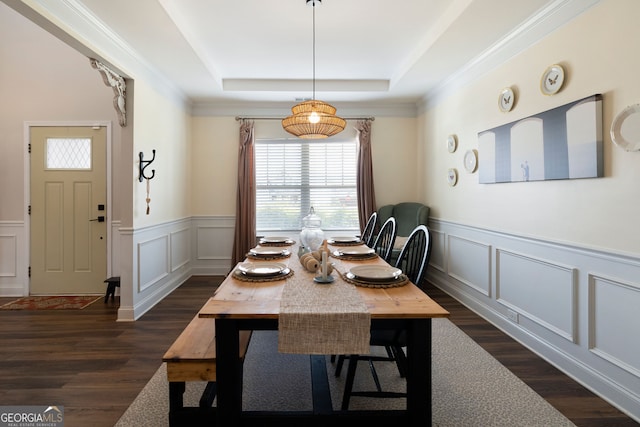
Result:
547,20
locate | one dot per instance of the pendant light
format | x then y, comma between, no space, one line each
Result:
313,119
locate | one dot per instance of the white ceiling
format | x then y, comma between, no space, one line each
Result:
367,51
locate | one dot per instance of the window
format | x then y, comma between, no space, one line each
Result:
294,174
68,153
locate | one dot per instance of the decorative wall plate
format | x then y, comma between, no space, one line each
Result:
452,176
506,99
452,143
552,79
470,161
625,129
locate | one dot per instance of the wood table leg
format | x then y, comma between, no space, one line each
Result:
228,373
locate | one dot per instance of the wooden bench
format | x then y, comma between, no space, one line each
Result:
192,357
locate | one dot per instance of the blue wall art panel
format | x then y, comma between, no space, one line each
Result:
561,143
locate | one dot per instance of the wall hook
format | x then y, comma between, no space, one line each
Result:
144,164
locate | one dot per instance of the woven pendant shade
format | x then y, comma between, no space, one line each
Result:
313,120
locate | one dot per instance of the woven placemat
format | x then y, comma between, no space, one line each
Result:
237,274
268,258
332,243
396,283
287,243
355,257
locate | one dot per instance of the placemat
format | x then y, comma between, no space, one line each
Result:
338,244
267,258
355,257
287,243
400,281
237,274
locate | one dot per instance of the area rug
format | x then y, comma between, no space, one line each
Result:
470,387
65,302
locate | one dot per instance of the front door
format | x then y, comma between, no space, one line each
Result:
68,210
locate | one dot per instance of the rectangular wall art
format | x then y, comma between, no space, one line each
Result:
561,143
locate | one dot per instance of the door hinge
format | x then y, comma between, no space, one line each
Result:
29,210
29,271
29,148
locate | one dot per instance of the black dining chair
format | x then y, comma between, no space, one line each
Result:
369,229
413,261
385,239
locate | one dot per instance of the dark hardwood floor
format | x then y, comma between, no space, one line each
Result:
95,366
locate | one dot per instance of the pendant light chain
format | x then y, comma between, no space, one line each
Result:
313,4
313,118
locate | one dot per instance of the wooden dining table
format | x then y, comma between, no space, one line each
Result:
254,305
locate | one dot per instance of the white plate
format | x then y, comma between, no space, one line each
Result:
356,251
344,239
506,99
452,176
375,272
261,268
260,251
452,143
275,239
470,161
552,79
625,129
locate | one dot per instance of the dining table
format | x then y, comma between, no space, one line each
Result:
319,315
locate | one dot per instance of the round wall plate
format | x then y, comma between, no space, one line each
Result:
552,79
452,143
625,129
506,99
470,161
452,176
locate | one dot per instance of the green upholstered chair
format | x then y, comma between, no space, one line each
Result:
408,216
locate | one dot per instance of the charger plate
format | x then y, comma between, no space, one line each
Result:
340,255
268,257
239,275
345,241
268,254
276,241
392,283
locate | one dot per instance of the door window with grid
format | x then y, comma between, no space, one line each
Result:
293,175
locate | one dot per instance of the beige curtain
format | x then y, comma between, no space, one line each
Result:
245,232
364,179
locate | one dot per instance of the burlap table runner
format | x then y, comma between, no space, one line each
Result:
322,318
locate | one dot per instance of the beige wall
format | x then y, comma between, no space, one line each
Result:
215,160
599,51
161,123
53,84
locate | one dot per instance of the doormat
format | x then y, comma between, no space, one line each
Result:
52,302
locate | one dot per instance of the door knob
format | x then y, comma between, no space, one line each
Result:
99,219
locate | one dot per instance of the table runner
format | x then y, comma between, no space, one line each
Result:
322,318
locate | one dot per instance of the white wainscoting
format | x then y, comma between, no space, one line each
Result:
13,274
578,308
166,255
212,245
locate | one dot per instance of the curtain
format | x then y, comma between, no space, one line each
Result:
364,178
245,231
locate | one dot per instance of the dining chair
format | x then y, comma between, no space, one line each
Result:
413,261
369,229
385,239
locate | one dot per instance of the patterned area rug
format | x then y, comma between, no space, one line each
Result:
52,302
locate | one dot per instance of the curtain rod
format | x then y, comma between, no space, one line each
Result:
238,118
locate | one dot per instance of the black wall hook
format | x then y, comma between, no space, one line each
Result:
144,164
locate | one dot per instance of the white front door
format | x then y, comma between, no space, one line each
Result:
68,210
